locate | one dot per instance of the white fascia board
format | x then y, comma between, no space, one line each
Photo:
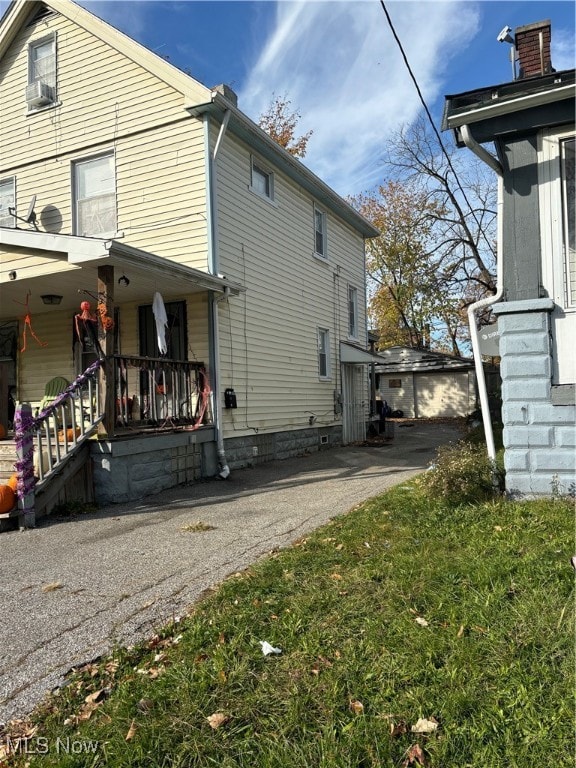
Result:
350,353
82,248
513,104
127,255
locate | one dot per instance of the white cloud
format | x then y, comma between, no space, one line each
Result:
341,68
563,49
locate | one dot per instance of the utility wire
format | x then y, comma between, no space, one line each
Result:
431,120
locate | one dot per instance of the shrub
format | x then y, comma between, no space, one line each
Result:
462,473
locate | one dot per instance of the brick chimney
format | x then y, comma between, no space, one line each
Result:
533,49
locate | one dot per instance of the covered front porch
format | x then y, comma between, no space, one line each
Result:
150,380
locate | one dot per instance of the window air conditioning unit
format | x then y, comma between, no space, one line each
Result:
39,93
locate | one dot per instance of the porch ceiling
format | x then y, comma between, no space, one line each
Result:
67,266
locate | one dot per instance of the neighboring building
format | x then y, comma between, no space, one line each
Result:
144,182
425,384
531,122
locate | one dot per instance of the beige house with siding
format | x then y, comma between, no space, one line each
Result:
130,185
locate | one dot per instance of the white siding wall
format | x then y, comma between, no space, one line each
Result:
399,398
268,336
108,102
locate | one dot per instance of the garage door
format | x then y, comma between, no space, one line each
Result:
439,395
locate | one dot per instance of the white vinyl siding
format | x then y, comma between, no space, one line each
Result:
95,196
320,233
268,335
556,189
7,201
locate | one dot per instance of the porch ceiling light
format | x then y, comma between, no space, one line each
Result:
51,298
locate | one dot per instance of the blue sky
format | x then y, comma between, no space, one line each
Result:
337,62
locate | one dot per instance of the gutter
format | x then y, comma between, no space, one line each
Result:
507,106
259,140
213,267
493,163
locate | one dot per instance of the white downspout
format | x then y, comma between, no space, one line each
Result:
214,268
490,160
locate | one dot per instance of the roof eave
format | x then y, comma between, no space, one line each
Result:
261,142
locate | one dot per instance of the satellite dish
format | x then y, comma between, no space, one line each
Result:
30,217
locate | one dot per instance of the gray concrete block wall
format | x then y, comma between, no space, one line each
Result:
254,449
127,470
539,437
131,469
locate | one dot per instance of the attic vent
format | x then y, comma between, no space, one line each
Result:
38,94
43,13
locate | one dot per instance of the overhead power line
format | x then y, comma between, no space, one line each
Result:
431,120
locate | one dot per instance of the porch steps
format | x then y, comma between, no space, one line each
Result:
8,457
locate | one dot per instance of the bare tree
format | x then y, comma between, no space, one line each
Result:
444,203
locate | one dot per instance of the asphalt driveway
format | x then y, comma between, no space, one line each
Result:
72,588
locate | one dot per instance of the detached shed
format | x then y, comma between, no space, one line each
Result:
425,384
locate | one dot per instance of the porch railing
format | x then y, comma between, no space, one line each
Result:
150,392
160,393
45,441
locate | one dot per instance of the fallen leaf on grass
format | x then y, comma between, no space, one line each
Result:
145,705
357,707
398,729
414,756
425,726
97,696
52,587
336,576
421,621
461,631
217,719
131,731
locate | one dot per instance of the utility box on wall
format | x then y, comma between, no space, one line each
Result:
230,398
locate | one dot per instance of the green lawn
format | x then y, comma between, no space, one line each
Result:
400,610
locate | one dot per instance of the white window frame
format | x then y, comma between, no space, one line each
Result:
324,363
258,173
554,255
84,161
352,306
9,198
51,79
320,215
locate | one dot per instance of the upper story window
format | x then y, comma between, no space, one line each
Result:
320,233
352,312
41,88
95,196
262,180
323,353
7,201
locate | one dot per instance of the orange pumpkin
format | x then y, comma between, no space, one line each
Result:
7,499
13,482
70,434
